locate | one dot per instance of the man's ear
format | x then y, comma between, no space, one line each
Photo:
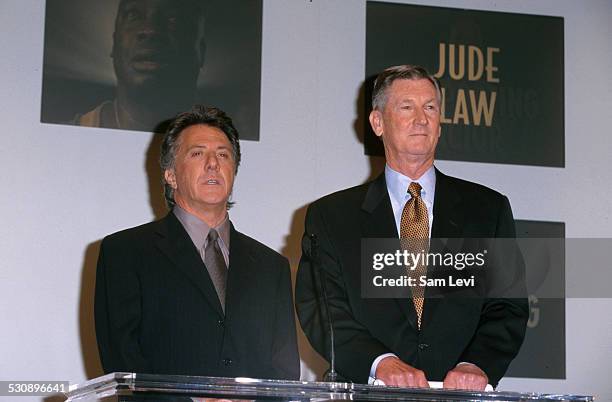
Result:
170,178
376,122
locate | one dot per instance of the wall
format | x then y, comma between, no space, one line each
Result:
65,187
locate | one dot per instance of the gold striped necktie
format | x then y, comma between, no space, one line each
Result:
414,238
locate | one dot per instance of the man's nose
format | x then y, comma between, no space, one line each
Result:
420,116
212,163
152,24
147,31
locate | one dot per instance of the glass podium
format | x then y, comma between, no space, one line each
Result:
151,387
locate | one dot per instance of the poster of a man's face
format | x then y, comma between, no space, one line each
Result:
163,56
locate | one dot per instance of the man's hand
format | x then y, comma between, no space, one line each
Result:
466,376
393,371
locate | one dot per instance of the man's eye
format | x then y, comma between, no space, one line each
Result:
196,153
224,155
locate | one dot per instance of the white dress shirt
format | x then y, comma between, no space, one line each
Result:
397,187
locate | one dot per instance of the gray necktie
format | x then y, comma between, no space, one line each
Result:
215,264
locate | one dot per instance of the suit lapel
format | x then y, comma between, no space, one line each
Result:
448,219
380,223
447,224
242,273
176,244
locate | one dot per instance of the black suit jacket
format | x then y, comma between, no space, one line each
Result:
156,310
486,331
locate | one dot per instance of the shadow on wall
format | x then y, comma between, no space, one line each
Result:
363,131
154,174
89,347
313,365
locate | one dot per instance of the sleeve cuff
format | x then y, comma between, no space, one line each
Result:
372,376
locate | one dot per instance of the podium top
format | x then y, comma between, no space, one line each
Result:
131,386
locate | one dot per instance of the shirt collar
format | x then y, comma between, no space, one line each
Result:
198,230
397,184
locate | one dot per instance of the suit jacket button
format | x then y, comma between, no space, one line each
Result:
227,362
220,322
423,346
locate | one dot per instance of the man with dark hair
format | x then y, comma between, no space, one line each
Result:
158,51
189,294
466,339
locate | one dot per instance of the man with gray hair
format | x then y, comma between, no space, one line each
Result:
465,342
189,294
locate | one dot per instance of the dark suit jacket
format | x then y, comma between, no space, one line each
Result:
156,309
478,329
